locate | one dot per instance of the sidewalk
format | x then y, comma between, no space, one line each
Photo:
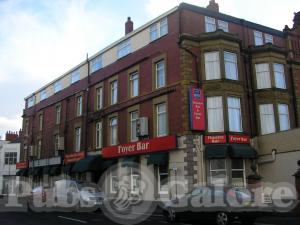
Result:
283,219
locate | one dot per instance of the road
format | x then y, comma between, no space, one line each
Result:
91,218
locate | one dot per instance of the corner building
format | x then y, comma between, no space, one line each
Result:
184,95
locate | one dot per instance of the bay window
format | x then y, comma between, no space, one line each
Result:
267,120
215,114
234,114
279,76
212,65
231,69
284,120
263,79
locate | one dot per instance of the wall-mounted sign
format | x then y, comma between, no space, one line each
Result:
197,114
74,157
140,147
215,139
240,139
21,165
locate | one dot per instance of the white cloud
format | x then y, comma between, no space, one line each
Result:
10,124
40,47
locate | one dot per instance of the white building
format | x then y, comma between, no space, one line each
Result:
9,156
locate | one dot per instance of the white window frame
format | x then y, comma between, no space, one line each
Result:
269,38
79,106
30,101
113,127
77,139
212,63
279,75
232,109
263,77
160,70
134,84
229,61
39,149
99,98
238,170
111,183
134,116
159,29
124,48
218,170
57,114
56,144
43,94
10,158
57,87
211,110
210,24
159,174
113,92
99,135
75,76
223,25
96,63
159,114
284,114
134,176
264,123
258,38
41,121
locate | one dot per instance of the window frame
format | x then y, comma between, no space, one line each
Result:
75,76
113,131
261,74
262,129
57,87
10,158
159,183
280,114
224,28
157,70
124,49
41,122
96,63
56,144
134,77
234,62
77,139
158,114
99,135
114,92
282,73
209,63
258,38
221,108
79,105
240,114
218,170
210,24
57,114
268,38
43,94
99,98
133,125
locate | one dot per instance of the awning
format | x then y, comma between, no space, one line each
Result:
37,171
130,161
216,151
46,170
161,158
55,170
67,168
89,163
106,163
242,151
30,171
22,173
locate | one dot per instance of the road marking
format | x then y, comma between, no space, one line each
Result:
67,218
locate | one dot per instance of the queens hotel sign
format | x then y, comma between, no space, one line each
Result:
140,147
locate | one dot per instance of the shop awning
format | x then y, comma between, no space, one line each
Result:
161,158
89,163
130,161
30,171
106,163
37,171
216,151
67,168
22,173
55,170
46,170
242,151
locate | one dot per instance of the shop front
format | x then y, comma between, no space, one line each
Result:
142,168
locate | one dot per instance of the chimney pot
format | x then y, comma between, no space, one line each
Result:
213,6
128,25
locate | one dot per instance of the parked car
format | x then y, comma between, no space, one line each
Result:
70,193
220,204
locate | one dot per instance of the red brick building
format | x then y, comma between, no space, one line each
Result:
248,74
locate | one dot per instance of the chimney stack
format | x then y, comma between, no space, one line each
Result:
11,136
128,26
213,6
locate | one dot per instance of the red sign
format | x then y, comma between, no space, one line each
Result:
140,147
197,119
215,139
21,165
74,157
240,139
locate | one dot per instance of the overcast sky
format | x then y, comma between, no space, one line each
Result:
42,39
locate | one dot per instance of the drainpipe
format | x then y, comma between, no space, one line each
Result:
87,102
294,95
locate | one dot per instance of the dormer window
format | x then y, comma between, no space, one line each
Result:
96,63
124,48
43,94
211,26
159,29
260,39
75,76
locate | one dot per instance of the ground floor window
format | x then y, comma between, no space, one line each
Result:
134,181
227,171
162,179
114,182
218,175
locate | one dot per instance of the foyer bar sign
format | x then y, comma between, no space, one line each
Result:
74,157
21,165
240,139
215,139
197,119
140,147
